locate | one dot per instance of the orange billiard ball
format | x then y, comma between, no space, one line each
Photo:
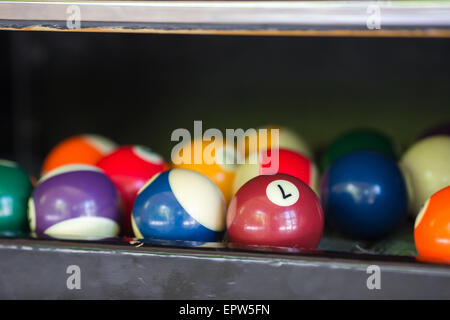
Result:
80,149
432,228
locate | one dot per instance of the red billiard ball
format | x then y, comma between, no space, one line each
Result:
275,210
130,167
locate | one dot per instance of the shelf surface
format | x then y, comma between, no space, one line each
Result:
133,269
327,18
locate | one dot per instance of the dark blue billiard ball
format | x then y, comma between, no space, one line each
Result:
179,204
364,195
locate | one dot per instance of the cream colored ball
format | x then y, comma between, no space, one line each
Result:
426,168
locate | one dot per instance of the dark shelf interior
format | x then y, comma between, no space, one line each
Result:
136,89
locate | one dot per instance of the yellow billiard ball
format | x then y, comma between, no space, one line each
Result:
217,163
288,139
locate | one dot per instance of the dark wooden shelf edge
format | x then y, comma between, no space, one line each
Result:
230,30
36,269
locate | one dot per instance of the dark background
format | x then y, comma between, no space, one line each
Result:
139,88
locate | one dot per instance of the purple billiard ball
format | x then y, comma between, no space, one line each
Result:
75,202
442,129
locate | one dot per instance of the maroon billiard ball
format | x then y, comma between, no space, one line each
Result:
275,210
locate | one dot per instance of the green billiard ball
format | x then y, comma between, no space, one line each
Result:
360,139
15,189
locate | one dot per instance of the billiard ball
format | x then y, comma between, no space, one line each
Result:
269,162
432,228
426,166
15,189
218,163
275,210
287,139
364,195
75,202
80,149
179,204
441,129
129,168
358,139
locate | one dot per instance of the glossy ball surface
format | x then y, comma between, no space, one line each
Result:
432,228
75,202
364,195
269,162
81,149
426,167
129,168
275,210
218,163
179,204
15,189
361,139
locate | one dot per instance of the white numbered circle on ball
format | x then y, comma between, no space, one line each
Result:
282,192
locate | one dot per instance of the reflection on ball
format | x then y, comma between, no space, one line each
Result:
179,204
15,189
364,195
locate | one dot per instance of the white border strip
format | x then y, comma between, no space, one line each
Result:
309,14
